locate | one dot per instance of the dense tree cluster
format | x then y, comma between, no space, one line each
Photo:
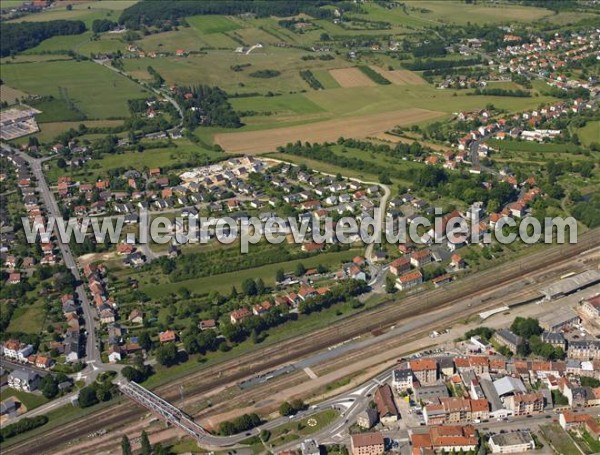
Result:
436,64
103,25
17,37
208,106
23,425
518,93
152,13
243,423
288,408
374,75
311,80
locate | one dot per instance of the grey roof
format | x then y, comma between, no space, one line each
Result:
513,438
569,285
24,375
490,393
553,337
310,447
508,385
509,336
402,375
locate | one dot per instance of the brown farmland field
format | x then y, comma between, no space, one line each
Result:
351,77
264,141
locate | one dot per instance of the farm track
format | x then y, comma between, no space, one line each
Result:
381,317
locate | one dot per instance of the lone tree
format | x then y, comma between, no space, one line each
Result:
146,447
125,445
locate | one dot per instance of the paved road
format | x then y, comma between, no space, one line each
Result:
92,353
158,92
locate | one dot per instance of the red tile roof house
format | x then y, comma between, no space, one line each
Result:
261,308
306,292
207,324
420,258
167,336
312,246
239,315
125,249
409,280
14,278
400,266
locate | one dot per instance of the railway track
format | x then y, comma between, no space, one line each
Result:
383,316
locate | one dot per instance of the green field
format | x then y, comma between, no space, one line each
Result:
590,133
531,146
215,67
97,91
223,282
28,319
559,439
86,11
183,151
458,12
212,24
29,400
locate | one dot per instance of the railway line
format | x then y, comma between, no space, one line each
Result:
381,317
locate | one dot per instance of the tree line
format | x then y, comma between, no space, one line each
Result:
152,13
18,37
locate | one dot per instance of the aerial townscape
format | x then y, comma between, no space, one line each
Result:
300,227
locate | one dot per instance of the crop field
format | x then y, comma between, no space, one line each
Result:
400,77
330,130
97,91
351,77
367,100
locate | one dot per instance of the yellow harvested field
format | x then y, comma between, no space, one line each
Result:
264,141
10,94
400,77
351,77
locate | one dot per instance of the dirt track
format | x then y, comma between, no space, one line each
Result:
256,142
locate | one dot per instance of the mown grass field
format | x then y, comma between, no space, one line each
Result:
29,400
212,24
97,91
86,11
459,12
590,133
215,67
